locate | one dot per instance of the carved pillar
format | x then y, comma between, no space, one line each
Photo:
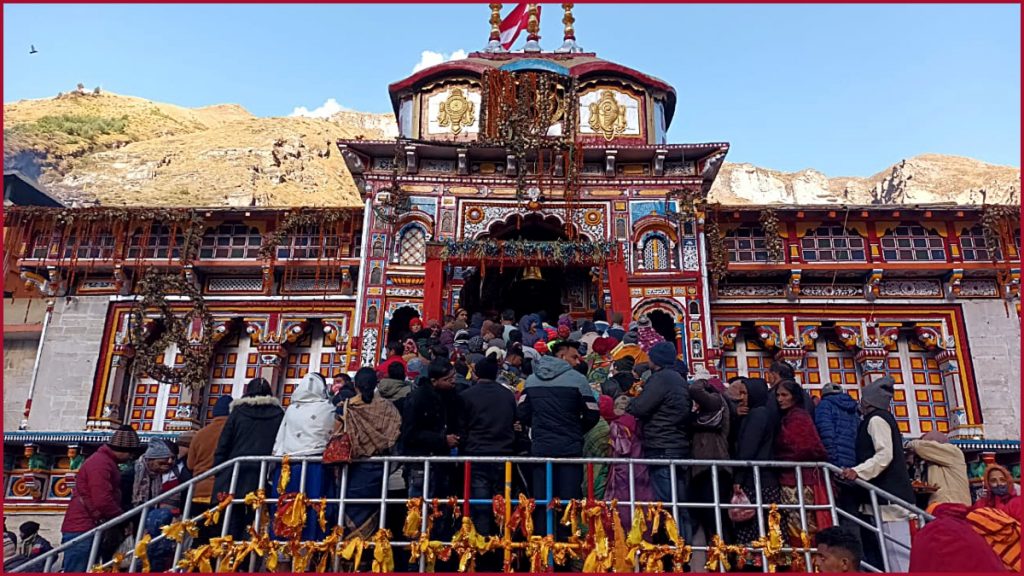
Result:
272,357
959,425
872,363
113,411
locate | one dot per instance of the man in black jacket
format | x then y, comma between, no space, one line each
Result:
665,410
488,417
559,406
425,429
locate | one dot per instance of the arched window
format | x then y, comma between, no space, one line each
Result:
231,241
912,244
832,244
656,253
412,245
972,241
746,244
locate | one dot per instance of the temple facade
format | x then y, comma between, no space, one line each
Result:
532,181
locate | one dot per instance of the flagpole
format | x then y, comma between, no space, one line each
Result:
494,42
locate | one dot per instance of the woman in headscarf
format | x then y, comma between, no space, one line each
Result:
251,430
754,441
1000,492
625,442
306,428
797,440
373,425
410,350
529,327
646,334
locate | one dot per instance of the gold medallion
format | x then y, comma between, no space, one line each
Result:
456,112
607,116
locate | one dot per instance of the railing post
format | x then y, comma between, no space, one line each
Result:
876,509
717,510
549,484
94,550
231,491
832,505
383,495
259,514
760,514
138,536
341,510
185,511
466,492
803,511
424,514
675,493
632,507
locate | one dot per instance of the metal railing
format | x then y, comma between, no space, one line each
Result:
871,523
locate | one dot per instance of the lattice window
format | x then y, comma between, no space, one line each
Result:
412,246
152,403
972,241
234,364
158,244
310,245
40,246
746,244
98,246
656,253
832,244
919,402
831,363
231,241
749,359
913,243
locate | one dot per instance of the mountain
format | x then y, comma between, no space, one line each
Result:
925,179
93,148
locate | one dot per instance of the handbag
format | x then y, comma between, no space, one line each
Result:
339,447
741,514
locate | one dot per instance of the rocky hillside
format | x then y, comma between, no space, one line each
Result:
101,148
924,179
90,148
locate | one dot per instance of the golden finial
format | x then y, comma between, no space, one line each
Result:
494,42
533,29
568,20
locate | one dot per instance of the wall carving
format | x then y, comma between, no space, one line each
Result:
751,291
910,288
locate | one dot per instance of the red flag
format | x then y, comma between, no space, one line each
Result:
515,23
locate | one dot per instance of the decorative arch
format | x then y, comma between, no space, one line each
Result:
411,244
667,305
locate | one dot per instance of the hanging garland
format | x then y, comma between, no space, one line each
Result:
152,295
772,241
554,252
298,219
398,201
995,225
718,259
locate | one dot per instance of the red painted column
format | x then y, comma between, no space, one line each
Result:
432,289
619,286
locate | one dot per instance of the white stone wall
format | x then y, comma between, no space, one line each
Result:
67,367
19,354
994,340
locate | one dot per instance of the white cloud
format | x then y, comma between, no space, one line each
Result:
329,108
429,58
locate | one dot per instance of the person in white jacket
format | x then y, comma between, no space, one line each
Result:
305,430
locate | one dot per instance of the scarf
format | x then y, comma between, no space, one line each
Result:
1001,531
373,427
147,485
648,337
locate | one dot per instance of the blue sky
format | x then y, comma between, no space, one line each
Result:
848,90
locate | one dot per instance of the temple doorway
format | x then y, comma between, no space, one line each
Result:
523,288
398,327
663,324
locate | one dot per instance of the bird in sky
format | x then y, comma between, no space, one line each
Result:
32,49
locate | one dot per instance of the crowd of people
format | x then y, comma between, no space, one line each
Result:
498,387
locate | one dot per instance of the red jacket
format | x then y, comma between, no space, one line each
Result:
97,495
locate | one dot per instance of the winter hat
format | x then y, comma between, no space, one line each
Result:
564,332
663,355
604,346
497,352
125,439
601,326
643,322
462,336
701,373
565,320
633,326
476,344
223,406
496,343
624,364
28,528
541,347
630,338
158,450
415,325
878,394
830,389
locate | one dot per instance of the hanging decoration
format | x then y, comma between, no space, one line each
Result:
718,258
398,201
548,252
300,219
191,333
996,225
771,227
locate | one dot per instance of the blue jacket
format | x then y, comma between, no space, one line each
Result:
837,419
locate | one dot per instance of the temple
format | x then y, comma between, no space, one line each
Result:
531,181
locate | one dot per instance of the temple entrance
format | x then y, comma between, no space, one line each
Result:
526,289
398,327
663,324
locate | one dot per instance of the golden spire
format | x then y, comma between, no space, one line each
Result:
569,37
494,42
532,29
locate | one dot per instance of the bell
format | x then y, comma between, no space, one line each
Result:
532,273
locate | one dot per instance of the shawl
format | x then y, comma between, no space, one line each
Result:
949,544
147,485
597,444
798,441
1001,531
373,427
648,337
524,328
